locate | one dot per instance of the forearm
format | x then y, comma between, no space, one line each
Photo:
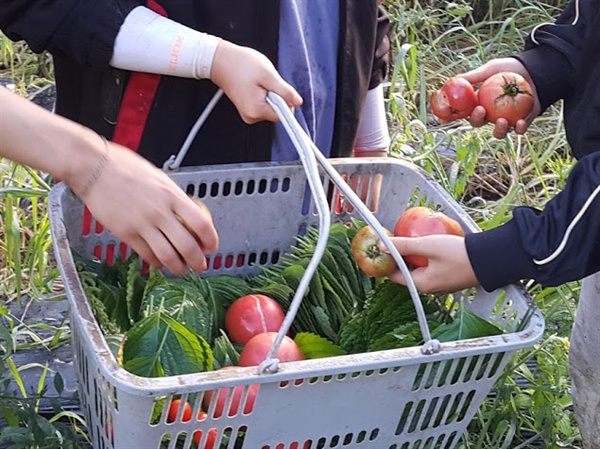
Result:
32,136
554,245
373,137
148,42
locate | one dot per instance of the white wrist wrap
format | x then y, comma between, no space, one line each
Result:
148,42
373,133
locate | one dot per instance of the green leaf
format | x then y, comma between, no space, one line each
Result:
184,302
135,289
160,346
59,383
219,293
465,325
6,340
292,275
323,322
316,347
225,352
114,342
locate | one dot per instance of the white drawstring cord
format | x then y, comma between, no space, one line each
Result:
565,239
575,20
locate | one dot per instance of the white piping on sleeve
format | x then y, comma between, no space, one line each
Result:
565,239
576,13
575,20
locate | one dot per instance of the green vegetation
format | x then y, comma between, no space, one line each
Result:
432,39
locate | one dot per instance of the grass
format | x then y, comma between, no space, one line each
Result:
432,40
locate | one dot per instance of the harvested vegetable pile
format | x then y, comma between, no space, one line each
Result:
159,326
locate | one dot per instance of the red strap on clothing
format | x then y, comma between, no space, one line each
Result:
137,101
133,114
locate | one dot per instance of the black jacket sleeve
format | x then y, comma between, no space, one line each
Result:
83,29
553,52
556,245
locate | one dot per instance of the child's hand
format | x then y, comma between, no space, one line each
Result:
482,73
449,268
246,75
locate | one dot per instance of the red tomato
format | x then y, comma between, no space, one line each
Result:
294,445
369,257
506,95
109,429
174,411
420,221
251,315
212,434
456,99
222,395
257,348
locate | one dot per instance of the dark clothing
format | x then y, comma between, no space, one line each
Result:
507,253
565,65
81,36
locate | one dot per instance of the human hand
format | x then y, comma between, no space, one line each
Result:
246,75
449,268
145,209
482,73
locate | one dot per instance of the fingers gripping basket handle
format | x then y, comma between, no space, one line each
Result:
309,155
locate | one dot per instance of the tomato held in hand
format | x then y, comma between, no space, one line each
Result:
506,95
251,315
234,406
455,100
257,348
369,257
420,221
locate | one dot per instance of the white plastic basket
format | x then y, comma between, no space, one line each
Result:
396,399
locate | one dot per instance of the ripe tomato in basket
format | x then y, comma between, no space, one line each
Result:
420,221
210,439
257,348
174,408
455,100
234,406
294,445
251,315
369,256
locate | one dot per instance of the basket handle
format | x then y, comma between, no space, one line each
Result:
302,143
290,123
309,156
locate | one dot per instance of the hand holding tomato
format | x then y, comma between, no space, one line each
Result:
449,268
420,221
479,116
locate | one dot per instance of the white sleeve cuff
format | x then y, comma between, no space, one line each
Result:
149,42
373,133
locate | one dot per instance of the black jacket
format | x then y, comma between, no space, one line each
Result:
81,34
562,242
